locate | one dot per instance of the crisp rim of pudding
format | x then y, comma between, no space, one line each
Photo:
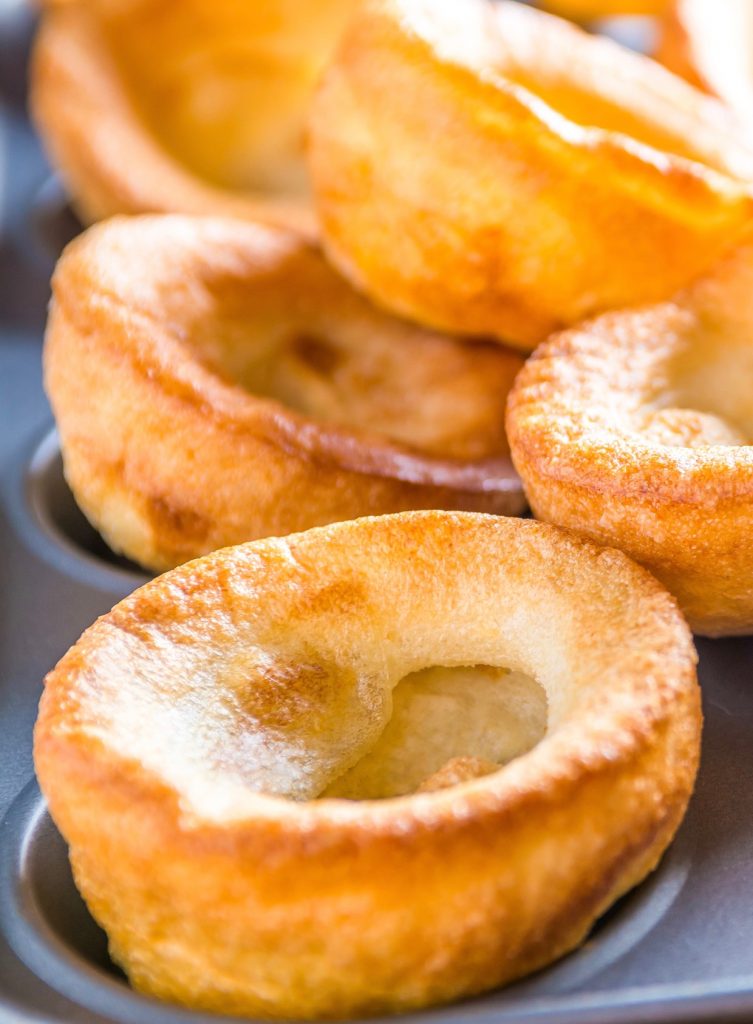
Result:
193,728
215,381
591,178
538,71
237,92
636,430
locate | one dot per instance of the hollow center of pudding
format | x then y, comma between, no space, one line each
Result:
444,399
225,86
224,729
307,342
705,398
448,725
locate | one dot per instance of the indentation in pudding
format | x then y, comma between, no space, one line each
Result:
703,396
691,428
316,353
299,336
299,726
448,725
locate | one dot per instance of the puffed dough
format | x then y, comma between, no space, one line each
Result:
635,430
215,381
192,743
188,106
490,169
710,44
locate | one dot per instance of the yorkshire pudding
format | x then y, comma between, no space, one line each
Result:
635,430
489,169
710,45
193,743
183,106
216,381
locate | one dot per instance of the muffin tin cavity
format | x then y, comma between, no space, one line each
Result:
625,925
51,930
48,926
61,531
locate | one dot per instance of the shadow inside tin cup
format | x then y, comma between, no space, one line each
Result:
48,521
55,509
52,222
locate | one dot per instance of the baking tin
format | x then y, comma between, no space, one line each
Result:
677,949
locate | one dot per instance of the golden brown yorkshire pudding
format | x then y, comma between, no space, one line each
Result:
710,44
193,743
636,430
588,9
489,169
216,381
186,106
